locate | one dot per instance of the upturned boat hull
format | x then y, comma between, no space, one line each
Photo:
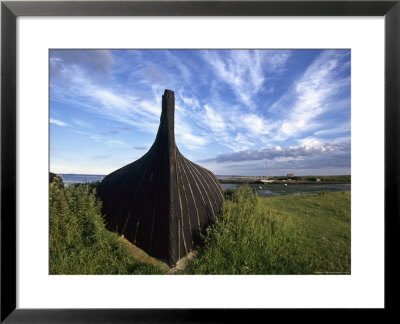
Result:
163,201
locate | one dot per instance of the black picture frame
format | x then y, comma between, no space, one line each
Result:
10,10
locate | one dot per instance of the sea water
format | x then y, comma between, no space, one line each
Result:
80,178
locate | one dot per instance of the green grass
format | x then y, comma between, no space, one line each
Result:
79,241
298,234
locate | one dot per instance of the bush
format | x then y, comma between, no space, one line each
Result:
228,241
79,241
228,193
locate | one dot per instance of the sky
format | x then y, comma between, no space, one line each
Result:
236,111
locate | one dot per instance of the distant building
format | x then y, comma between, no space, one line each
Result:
318,179
290,175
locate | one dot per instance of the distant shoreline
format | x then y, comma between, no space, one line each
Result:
277,182
289,179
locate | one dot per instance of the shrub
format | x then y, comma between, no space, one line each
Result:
227,242
79,242
228,193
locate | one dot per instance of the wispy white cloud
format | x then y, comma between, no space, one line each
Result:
98,63
188,134
254,124
337,130
140,148
174,61
310,141
226,101
240,70
311,96
215,120
235,128
93,136
191,102
243,70
114,142
111,102
81,123
224,131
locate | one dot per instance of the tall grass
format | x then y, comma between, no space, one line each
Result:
298,234
277,235
79,242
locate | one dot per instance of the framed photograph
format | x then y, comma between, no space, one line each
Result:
316,79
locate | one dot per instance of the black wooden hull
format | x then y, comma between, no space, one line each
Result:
163,201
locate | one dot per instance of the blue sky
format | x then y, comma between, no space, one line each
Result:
235,110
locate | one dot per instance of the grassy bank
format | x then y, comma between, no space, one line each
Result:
79,241
298,234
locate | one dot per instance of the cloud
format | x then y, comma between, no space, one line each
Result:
188,101
235,101
196,122
94,62
301,160
58,122
319,91
343,128
188,135
80,89
254,124
235,127
240,70
314,94
340,160
101,156
286,154
275,60
215,120
310,141
177,63
223,129
116,131
153,74
116,143
243,70
81,123
93,136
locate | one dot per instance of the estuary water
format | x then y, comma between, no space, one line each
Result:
262,189
290,189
